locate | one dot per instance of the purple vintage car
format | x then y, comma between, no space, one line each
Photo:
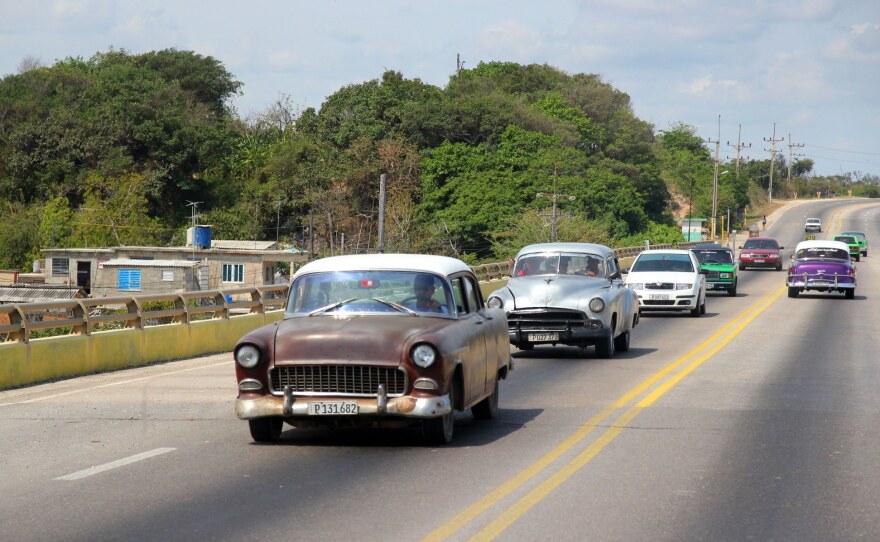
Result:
823,266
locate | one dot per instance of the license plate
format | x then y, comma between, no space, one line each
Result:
759,261
538,337
710,286
820,282
332,408
658,297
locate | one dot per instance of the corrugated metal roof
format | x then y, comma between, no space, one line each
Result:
35,294
228,244
149,263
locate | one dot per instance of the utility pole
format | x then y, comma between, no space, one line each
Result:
772,150
792,146
739,146
715,179
381,213
554,197
459,64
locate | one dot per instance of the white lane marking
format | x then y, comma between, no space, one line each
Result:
111,384
115,464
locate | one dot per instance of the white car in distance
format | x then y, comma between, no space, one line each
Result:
668,280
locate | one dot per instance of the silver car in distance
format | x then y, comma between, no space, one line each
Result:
570,294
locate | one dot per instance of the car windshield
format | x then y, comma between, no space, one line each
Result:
822,253
813,221
856,234
761,244
714,256
399,292
848,239
663,262
559,263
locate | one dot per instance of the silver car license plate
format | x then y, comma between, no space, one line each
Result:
332,408
538,337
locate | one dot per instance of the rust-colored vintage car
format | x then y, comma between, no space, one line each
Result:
378,340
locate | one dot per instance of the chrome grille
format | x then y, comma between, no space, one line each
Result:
338,379
713,274
546,320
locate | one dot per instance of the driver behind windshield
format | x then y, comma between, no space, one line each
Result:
423,288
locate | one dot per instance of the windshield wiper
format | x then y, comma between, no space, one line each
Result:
397,306
332,306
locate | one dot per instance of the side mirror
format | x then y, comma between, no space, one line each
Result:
780,248
739,247
624,271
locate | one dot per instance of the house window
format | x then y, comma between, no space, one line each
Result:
128,280
60,267
233,272
168,275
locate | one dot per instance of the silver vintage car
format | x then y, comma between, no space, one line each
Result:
568,293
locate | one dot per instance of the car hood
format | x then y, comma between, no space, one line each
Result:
762,251
561,291
374,339
724,267
661,276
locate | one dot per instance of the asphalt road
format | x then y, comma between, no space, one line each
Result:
757,421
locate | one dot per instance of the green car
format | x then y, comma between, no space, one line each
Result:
861,238
855,250
719,266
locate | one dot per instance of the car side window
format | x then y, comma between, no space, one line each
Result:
471,295
613,271
458,296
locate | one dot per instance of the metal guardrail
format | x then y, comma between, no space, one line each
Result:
501,270
83,316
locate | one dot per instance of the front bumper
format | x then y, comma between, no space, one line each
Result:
683,301
715,286
290,406
571,336
761,262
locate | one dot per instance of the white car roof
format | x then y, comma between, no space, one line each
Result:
814,220
441,265
590,248
665,251
821,244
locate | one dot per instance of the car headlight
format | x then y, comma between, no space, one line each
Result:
247,356
423,355
494,303
683,286
635,285
596,304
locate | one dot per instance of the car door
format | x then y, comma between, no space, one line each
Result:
474,334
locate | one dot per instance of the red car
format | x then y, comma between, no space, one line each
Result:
761,252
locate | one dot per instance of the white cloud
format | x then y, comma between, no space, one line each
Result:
860,44
284,59
509,38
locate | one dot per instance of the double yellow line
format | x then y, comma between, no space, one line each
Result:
687,364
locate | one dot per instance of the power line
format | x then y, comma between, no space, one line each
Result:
841,150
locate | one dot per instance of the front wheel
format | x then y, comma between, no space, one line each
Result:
792,292
605,347
488,407
621,342
732,291
265,429
742,267
438,431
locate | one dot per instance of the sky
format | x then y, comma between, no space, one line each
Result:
811,68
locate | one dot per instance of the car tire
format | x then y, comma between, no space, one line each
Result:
742,267
851,293
779,267
265,429
732,291
792,292
525,346
703,306
858,257
621,342
488,407
605,348
439,431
